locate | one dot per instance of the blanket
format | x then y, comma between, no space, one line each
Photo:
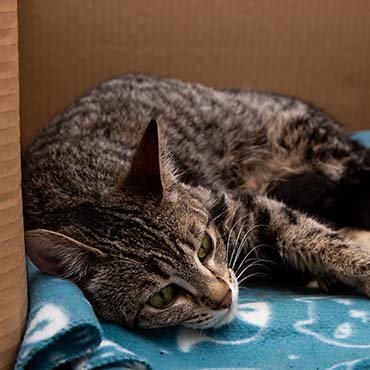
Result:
276,328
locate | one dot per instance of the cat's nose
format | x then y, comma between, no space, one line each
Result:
226,301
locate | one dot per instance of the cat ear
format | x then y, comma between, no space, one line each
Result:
144,175
60,255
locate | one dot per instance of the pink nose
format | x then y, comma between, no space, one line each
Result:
226,301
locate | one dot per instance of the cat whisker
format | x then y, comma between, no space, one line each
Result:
249,253
237,248
254,264
245,259
261,274
230,233
229,238
219,215
237,273
244,288
242,243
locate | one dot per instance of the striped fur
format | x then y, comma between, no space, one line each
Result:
220,154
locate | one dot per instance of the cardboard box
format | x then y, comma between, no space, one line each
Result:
13,287
317,50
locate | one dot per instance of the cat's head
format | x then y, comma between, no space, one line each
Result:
145,253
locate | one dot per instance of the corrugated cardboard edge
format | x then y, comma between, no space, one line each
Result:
13,283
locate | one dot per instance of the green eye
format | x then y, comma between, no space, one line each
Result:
164,297
205,248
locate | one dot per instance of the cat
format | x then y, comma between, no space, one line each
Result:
158,198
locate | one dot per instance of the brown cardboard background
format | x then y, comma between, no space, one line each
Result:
13,285
316,49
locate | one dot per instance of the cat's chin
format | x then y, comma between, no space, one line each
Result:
222,317
225,317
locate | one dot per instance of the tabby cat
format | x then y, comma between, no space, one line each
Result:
159,197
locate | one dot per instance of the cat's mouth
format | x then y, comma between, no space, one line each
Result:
224,317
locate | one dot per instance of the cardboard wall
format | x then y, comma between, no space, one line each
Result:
13,286
315,49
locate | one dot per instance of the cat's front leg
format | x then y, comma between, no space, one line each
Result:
309,246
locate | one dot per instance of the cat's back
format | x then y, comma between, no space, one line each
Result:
94,139
86,148
102,128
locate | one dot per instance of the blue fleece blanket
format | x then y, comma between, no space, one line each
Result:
276,328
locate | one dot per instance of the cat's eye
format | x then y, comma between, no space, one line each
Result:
164,297
205,248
